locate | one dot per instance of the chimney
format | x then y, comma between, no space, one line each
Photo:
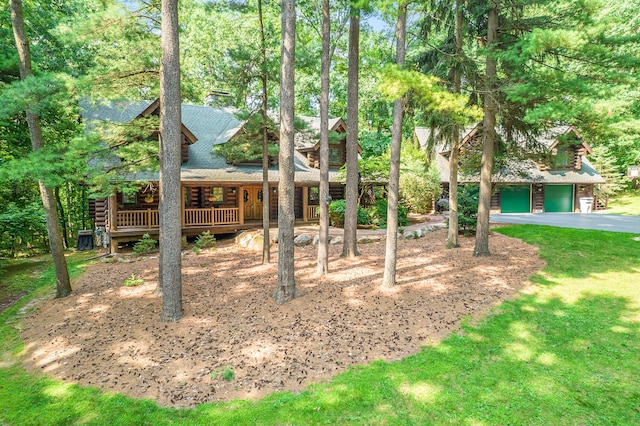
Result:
218,98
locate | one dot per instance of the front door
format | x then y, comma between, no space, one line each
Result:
252,202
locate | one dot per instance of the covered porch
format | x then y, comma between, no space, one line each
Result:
217,207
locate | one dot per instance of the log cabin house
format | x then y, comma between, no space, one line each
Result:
216,196
556,182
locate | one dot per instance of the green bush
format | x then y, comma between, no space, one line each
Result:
205,240
378,214
145,245
468,209
23,230
336,214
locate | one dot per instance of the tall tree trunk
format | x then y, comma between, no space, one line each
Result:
452,238
170,207
63,284
266,244
389,276
71,216
286,289
489,135
61,214
323,240
350,247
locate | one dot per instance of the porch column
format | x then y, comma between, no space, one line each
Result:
182,202
240,204
305,203
113,212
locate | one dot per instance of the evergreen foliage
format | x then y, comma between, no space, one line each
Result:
205,240
247,146
145,245
468,209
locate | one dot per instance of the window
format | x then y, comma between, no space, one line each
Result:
335,155
187,196
314,195
130,198
562,157
216,194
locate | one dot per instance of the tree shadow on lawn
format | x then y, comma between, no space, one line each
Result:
580,253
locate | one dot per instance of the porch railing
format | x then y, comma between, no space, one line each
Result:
192,217
313,212
137,219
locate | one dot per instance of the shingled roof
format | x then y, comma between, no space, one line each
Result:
211,126
524,171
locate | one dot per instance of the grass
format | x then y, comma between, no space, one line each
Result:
627,203
16,276
567,351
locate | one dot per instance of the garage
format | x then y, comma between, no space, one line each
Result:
558,198
515,199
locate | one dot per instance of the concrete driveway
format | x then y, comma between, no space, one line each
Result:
597,221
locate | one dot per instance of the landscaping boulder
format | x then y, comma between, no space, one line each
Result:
336,240
302,240
251,240
409,235
369,239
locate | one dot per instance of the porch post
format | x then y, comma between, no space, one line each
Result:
305,203
113,210
182,188
240,204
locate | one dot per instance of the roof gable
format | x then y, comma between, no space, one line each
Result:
527,170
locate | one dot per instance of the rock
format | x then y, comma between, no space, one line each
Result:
256,243
302,240
251,240
316,240
369,239
336,240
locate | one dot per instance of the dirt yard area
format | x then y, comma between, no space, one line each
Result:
235,342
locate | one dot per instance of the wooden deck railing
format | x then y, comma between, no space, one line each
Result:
137,219
313,212
226,216
192,217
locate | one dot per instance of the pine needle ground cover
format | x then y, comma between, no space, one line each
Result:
565,352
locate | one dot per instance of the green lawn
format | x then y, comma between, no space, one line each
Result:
567,351
627,203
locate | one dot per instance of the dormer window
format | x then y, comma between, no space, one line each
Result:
335,155
562,157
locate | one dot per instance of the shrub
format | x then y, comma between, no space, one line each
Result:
468,209
205,240
228,374
336,214
145,245
378,214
